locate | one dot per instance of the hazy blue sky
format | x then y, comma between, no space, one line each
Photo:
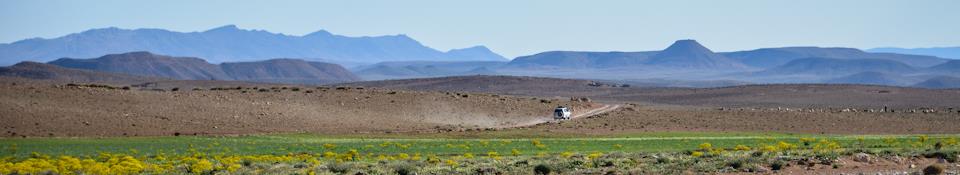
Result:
514,27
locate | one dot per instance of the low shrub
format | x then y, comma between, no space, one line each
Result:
663,160
340,168
933,169
736,164
541,169
777,165
949,156
405,169
92,86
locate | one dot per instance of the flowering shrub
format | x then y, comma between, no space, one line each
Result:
434,157
741,148
696,154
705,146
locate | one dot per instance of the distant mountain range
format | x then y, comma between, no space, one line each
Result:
950,67
681,54
940,82
943,52
231,44
871,78
691,54
421,69
689,61
831,66
190,68
574,59
772,57
316,58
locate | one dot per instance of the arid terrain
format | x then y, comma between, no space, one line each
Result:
767,96
636,118
479,88
57,109
485,107
811,109
32,108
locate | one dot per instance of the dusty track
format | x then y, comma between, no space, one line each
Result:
595,111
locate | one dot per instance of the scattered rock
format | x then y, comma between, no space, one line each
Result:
861,157
896,159
580,99
763,169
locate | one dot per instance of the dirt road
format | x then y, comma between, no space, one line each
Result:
603,109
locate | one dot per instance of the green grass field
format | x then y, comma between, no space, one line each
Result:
508,152
385,144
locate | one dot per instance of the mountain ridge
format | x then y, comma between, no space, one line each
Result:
838,67
952,66
940,82
43,71
281,70
772,57
230,44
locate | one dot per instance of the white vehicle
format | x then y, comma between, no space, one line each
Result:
561,113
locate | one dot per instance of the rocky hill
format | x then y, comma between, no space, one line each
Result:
189,68
41,71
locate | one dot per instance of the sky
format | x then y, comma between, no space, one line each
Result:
516,28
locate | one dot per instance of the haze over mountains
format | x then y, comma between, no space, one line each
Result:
772,57
831,66
231,44
943,52
189,68
313,58
689,62
418,69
